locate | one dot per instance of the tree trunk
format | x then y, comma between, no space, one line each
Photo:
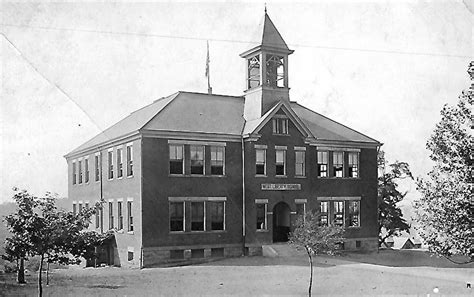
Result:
311,271
47,273
40,273
20,277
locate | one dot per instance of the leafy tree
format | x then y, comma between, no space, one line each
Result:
38,228
316,239
444,212
390,217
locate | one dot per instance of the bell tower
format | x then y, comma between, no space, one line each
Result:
267,71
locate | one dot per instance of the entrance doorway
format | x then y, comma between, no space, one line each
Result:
281,222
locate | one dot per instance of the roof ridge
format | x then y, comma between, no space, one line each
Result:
334,121
207,94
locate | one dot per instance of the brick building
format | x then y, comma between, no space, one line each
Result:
227,175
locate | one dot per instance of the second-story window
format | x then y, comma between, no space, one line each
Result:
280,162
119,162
353,165
129,160
217,160
97,167
280,126
198,216
322,164
197,159
80,171
86,169
300,163
74,174
338,164
110,155
176,159
176,211
260,162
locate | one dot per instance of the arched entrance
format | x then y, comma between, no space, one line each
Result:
281,222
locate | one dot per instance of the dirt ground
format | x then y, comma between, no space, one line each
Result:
388,273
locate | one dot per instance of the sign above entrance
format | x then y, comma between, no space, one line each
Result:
281,187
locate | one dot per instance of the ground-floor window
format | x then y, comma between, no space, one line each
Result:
198,216
217,212
301,210
176,216
323,217
261,216
120,215
354,213
130,215
338,219
111,215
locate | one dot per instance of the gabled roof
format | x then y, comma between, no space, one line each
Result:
219,115
399,242
182,112
324,128
254,126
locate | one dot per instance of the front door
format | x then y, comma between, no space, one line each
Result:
281,222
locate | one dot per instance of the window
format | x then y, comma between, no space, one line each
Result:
280,160
111,215
80,206
74,174
217,211
80,171
300,163
86,205
197,159
275,70
74,209
353,165
120,215
129,160
130,216
338,213
322,164
253,72
119,162
217,160
86,168
176,159
261,216
176,216
280,126
110,155
197,216
338,164
300,210
354,213
323,209
130,255
260,161
97,167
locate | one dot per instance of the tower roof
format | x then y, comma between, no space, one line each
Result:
269,38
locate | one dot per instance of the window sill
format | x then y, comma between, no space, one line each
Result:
177,232
261,175
120,231
263,230
281,176
334,177
130,176
195,175
353,227
300,176
130,232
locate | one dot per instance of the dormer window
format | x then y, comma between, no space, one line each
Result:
280,126
275,71
253,72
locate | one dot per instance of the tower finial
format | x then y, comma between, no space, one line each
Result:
265,7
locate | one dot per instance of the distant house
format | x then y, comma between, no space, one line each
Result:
388,243
403,243
417,242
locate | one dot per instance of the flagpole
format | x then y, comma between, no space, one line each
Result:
208,72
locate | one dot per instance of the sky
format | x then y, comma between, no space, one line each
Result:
70,70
